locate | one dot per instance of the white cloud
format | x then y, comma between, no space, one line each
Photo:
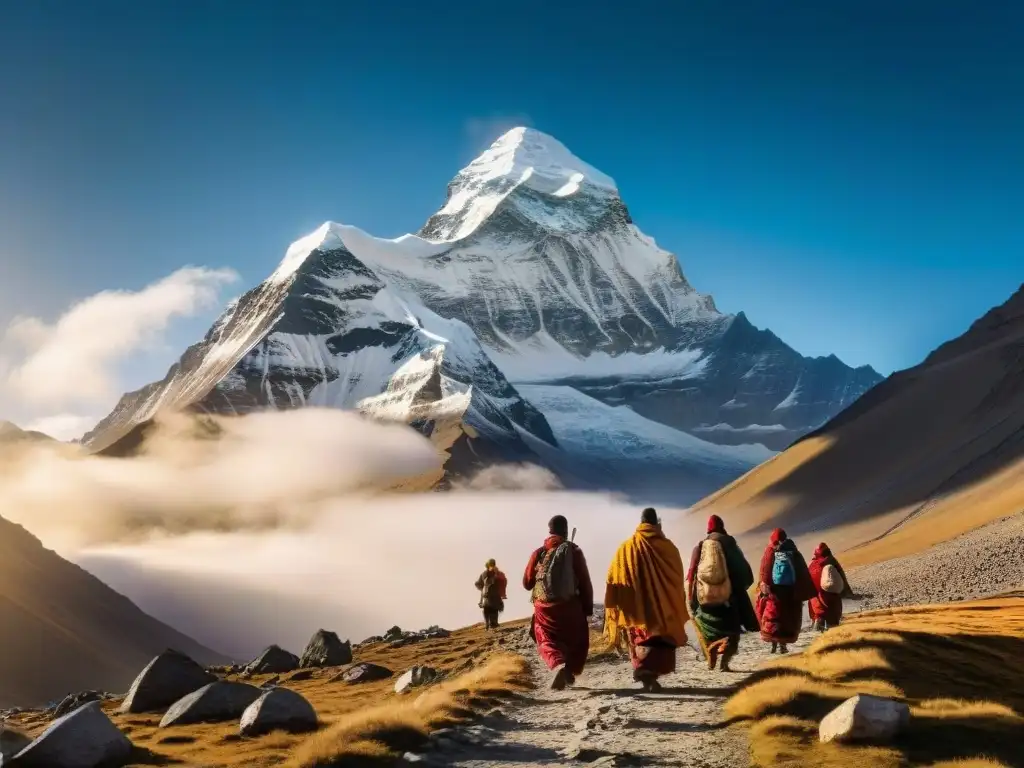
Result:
74,360
63,426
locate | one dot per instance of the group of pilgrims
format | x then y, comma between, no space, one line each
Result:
649,597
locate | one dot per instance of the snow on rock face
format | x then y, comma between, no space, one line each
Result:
532,272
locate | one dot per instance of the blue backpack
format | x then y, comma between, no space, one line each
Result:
783,570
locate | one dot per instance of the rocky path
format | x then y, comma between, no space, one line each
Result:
606,720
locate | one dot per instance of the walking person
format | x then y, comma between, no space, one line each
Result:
645,598
831,586
784,585
563,597
492,585
717,581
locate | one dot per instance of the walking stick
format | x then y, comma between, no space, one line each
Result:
573,537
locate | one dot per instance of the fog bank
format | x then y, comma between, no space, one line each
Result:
276,530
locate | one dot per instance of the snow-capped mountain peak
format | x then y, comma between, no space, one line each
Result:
521,158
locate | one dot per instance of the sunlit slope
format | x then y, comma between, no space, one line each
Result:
930,453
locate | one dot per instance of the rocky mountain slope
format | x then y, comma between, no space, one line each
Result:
63,630
531,273
931,453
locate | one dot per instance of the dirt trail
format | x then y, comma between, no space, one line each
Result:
607,720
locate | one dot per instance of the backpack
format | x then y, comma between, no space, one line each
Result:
713,585
555,577
831,580
783,570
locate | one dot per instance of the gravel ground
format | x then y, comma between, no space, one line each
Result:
987,561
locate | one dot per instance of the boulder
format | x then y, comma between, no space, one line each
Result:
11,743
84,738
325,649
279,709
407,640
416,677
272,682
435,632
73,701
165,679
213,703
372,639
864,718
302,674
364,673
273,661
394,633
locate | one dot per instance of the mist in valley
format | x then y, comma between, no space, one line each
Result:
279,527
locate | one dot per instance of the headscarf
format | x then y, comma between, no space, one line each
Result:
715,524
649,516
558,526
822,551
778,536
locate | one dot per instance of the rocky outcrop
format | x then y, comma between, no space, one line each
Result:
416,677
73,701
273,660
865,718
213,703
85,738
165,679
279,709
325,649
364,673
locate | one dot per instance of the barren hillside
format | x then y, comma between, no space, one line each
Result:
63,630
930,453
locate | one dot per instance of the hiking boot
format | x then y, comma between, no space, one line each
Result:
570,678
783,648
653,686
775,647
560,679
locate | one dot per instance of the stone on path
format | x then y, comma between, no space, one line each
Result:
278,709
85,738
864,718
165,679
414,678
302,674
325,649
364,673
273,661
213,703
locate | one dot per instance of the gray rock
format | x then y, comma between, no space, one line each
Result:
371,640
407,640
325,649
272,682
11,743
73,701
84,738
278,709
302,674
864,718
213,703
394,633
364,673
165,679
414,678
273,661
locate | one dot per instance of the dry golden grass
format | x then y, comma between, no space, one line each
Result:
388,730
339,705
958,666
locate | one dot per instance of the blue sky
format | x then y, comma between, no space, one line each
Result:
850,177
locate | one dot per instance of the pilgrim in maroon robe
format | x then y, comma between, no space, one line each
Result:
561,630
780,606
826,608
